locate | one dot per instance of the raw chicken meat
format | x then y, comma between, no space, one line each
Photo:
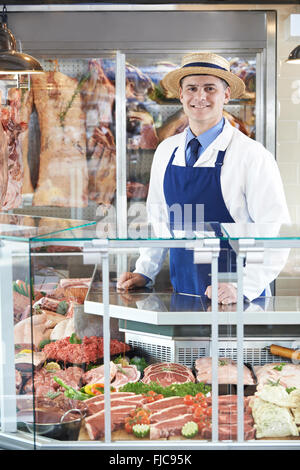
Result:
227,371
25,333
287,373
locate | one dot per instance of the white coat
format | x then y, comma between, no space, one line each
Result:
252,190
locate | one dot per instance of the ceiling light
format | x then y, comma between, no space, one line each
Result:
294,56
12,61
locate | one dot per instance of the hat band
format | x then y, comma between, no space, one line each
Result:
204,64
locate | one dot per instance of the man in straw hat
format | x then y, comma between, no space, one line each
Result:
213,165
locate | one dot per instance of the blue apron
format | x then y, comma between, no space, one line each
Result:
185,185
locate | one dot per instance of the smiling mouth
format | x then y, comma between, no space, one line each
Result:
199,107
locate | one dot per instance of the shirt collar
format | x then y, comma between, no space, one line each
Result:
208,136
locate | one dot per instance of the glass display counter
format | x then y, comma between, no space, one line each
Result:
87,366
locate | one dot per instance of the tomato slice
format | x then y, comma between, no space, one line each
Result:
198,412
188,400
150,399
200,396
141,413
159,396
204,404
145,420
128,427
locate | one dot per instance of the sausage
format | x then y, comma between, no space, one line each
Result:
285,352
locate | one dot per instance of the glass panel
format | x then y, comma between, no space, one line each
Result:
16,339
270,334
268,231
93,230
62,131
23,227
152,115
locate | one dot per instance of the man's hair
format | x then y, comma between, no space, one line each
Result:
225,84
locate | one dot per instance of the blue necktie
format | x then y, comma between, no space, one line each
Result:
194,146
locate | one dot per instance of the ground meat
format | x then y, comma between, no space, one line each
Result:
90,350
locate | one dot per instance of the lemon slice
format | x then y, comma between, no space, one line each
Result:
52,366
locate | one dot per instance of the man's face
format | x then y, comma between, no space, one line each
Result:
203,98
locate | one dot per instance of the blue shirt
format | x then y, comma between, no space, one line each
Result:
205,139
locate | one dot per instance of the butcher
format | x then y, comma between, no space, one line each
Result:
214,165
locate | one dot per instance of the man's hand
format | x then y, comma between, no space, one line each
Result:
129,281
227,293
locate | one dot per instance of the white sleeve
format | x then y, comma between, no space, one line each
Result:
151,260
266,205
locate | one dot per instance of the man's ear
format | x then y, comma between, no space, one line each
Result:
180,94
227,95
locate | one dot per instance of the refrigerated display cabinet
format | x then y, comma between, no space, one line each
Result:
65,327
88,128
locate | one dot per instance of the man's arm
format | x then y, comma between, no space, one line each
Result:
267,208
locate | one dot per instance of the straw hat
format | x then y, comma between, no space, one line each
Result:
203,63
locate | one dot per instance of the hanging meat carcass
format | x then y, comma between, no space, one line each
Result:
3,164
13,128
26,107
98,95
102,167
63,177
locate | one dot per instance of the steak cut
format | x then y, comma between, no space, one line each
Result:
164,403
96,422
112,395
168,366
229,432
170,412
169,427
167,373
96,406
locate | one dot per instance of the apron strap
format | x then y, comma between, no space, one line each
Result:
172,156
220,158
